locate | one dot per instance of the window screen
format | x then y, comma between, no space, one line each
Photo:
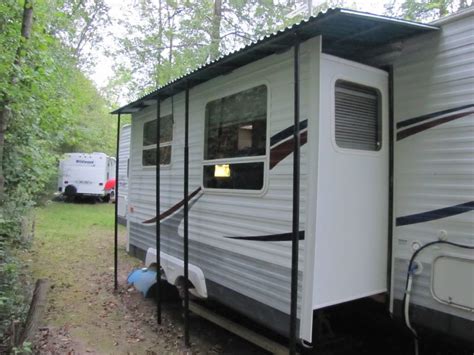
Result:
358,119
149,156
166,131
149,141
236,127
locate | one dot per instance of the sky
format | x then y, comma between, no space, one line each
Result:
120,9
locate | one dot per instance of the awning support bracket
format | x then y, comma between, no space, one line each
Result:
296,201
116,206
158,222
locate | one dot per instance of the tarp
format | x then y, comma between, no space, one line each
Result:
142,279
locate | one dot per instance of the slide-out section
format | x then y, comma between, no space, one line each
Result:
347,214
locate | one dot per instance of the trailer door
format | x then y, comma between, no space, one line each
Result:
351,215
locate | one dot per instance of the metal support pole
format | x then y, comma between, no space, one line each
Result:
158,222
296,202
391,127
116,206
186,208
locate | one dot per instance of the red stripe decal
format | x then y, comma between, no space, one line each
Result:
282,150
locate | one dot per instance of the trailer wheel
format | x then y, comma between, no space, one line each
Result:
168,292
70,190
180,283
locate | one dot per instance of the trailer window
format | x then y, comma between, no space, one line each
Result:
244,176
149,156
236,127
357,116
149,141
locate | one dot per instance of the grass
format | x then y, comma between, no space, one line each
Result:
64,221
68,235
65,249
73,248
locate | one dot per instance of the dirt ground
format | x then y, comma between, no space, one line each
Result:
73,248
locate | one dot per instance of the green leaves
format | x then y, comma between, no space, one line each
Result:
54,109
173,37
425,10
54,106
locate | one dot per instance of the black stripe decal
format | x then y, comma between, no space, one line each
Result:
172,209
283,237
428,116
287,132
424,126
435,214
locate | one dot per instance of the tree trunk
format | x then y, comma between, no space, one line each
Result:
170,55
160,44
27,22
5,111
443,8
171,37
4,119
216,30
463,4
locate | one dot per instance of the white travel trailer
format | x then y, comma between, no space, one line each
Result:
124,154
386,111
82,174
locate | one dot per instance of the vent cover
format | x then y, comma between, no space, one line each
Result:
357,116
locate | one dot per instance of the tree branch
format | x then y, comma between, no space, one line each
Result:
238,34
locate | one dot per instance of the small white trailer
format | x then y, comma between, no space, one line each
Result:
85,175
124,155
386,172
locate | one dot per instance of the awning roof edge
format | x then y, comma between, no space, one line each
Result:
333,24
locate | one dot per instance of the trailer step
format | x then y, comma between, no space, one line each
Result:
237,329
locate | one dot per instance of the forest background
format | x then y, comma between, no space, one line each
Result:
50,105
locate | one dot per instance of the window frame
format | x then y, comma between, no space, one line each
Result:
161,145
381,104
219,93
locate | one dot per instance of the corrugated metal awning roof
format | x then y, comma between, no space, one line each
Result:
346,34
